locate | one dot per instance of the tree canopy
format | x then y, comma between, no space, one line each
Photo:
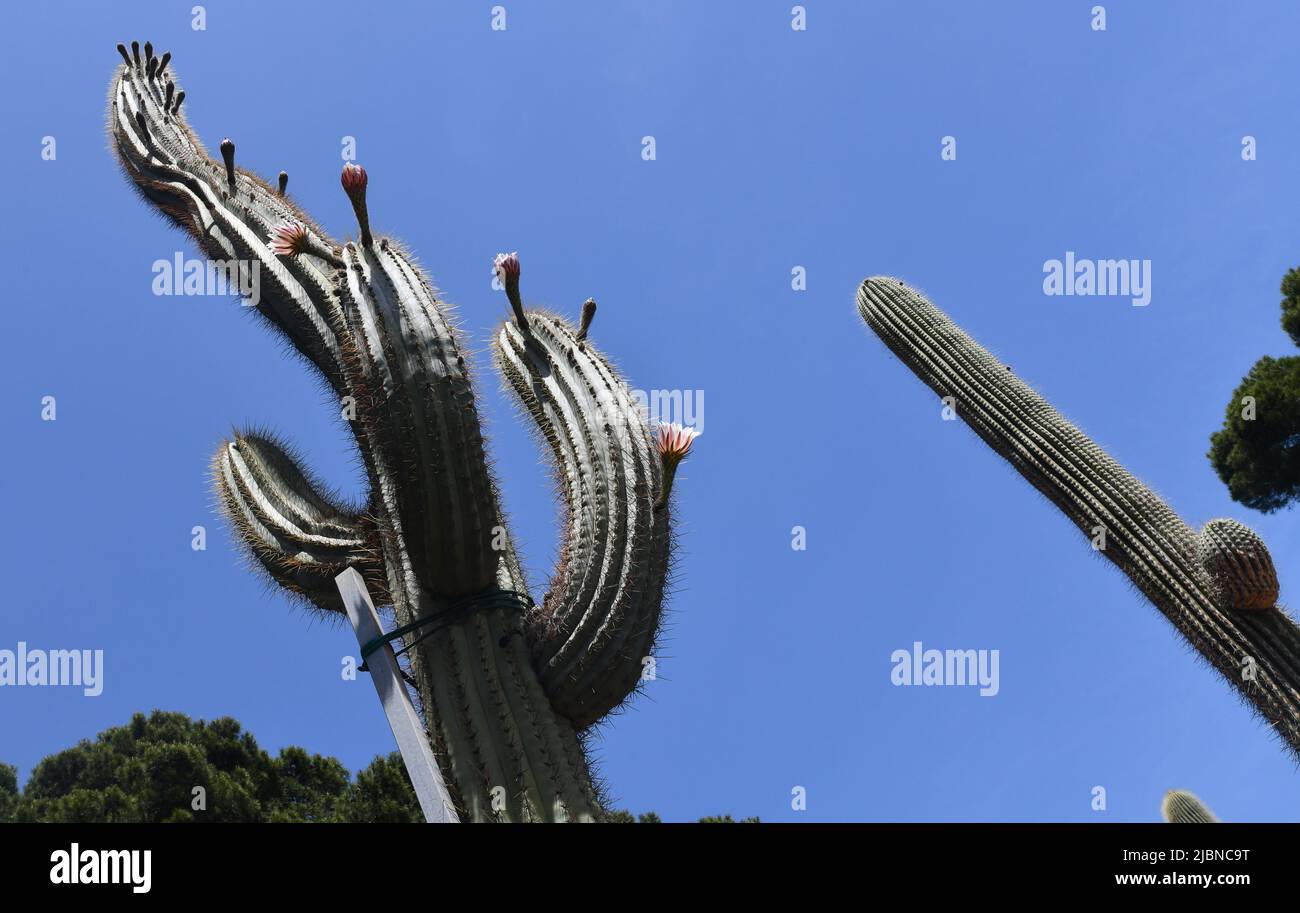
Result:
1257,452
149,771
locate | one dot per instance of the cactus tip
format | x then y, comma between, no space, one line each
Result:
121,49
284,182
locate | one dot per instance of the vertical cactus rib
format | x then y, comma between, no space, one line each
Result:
1180,571
602,611
502,706
1182,807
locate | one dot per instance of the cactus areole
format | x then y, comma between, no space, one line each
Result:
507,685
1216,586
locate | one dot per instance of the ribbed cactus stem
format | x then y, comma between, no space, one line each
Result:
1190,578
1182,807
597,626
505,686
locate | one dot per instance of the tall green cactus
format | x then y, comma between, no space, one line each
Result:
507,686
1181,807
1218,587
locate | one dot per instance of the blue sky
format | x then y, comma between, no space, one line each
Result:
775,149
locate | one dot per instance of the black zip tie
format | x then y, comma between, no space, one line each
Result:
454,611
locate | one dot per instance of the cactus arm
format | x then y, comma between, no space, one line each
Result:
1182,573
423,417
301,537
230,219
1182,807
602,610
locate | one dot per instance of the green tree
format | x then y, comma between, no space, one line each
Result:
8,790
1257,452
149,771
383,793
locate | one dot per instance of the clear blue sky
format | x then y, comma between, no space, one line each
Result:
775,149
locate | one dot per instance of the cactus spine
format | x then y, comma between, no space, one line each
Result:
1218,587
507,686
1182,807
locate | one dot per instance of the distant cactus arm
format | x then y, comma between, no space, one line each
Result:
601,614
1194,580
231,214
1182,807
299,535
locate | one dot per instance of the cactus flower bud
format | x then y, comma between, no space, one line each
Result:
354,179
228,156
506,267
354,182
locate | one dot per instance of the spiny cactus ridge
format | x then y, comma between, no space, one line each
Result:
1218,587
1182,807
507,685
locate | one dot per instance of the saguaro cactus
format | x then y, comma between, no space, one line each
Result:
507,685
1217,587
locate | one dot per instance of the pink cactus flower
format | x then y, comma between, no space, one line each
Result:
288,239
675,442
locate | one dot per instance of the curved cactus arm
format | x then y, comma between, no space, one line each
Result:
601,614
232,214
300,536
1182,807
1210,586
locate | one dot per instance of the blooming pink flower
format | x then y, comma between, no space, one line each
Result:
675,442
507,267
288,239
